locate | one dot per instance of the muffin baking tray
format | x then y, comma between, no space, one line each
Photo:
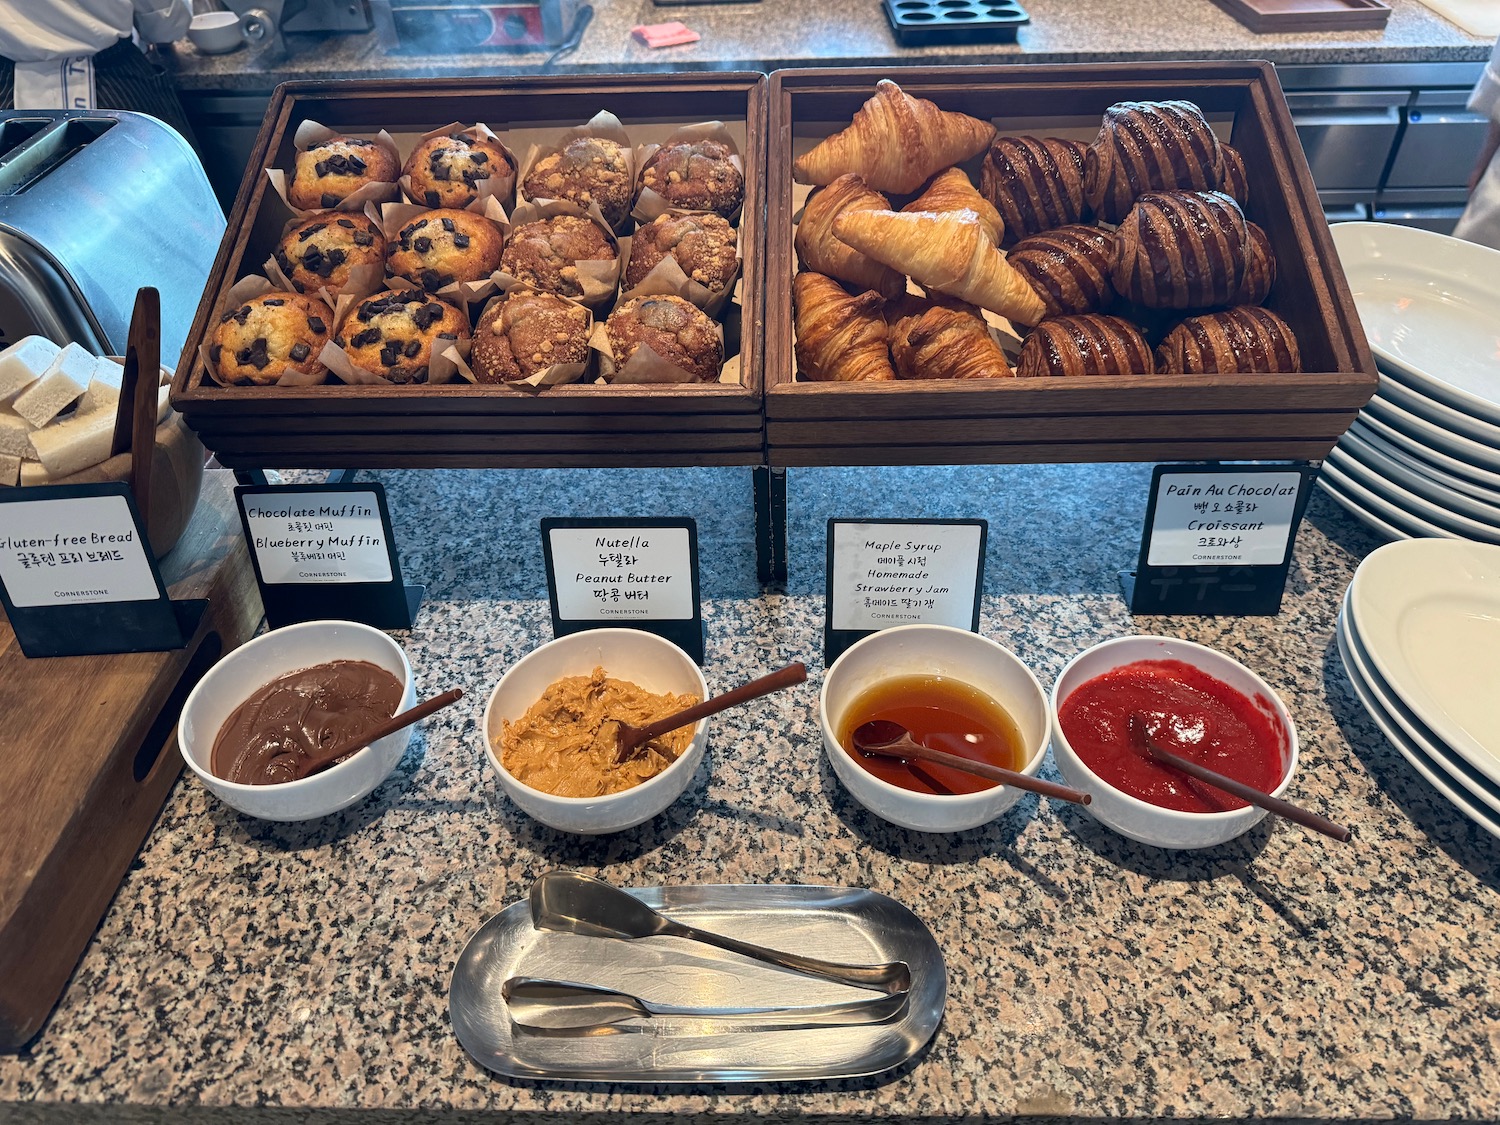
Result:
922,23
1101,418
472,426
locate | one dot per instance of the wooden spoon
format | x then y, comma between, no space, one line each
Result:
886,739
631,737
308,764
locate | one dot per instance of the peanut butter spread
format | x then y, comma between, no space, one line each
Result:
565,744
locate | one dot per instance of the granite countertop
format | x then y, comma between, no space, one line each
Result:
777,33
299,972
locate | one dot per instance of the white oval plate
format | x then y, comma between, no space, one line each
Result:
1361,431
1354,448
1424,452
1483,530
1428,612
1427,303
1418,527
1393,389
1432,435
1457,796
1366,517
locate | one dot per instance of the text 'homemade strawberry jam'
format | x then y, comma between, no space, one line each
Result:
942,714
1187,712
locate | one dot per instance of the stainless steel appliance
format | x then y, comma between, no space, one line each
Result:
94,205
460,26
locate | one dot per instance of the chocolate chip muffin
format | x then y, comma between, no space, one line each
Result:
396,333
703,244
696,176
445,246
326,174
323,249
527,331
585,170
443,171
267,336
545,253
674,329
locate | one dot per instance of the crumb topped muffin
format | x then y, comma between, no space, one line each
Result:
322,250
703,244
328,173
678,331
257,343
527,331
586,170
443,171
445,246
696,175
395,334
546,253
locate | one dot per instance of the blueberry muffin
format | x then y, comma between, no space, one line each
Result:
257,343
445,246
545,254
527,331
328,173
586,170
323,249
703,244
443,171
395,334
678,331
696,176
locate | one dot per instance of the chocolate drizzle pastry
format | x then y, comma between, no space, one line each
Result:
443,247
1036,183
322,251
1234,181
397,333
269,336
1182,250
1085,345
1068,267
445,171
1260,269
329,172
1244,340
1149,146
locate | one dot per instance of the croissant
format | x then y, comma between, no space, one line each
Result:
1068,267
1035,183
819,250
1085,345
951,190
1181,250
943,339
1245,339
894,143
839,338
1149,146
1260,269
950,252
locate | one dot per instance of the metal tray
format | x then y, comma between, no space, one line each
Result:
836,923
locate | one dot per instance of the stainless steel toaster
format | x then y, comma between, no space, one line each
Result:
94,205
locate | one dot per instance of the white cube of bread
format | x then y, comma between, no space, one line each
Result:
10,470
77,443
59,386
104,387
34,473
15,433
22,364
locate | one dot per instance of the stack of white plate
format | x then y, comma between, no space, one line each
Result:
1419,632
1423,458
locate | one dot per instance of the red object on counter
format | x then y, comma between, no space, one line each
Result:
665,34
1187,712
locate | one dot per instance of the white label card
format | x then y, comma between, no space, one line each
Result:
1223,519
74,551
615,573
886,574
318,536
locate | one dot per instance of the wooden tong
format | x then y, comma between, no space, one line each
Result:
140,389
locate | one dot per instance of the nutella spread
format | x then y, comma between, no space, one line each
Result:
300,714
565,744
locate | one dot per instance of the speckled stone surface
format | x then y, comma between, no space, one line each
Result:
249,971
777,33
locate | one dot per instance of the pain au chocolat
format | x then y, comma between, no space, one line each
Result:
1149,146
1068,267
1246,340
1085,345
1182,250
1036,183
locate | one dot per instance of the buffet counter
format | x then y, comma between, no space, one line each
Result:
252,971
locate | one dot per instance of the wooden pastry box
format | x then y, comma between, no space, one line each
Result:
466,425
1101,418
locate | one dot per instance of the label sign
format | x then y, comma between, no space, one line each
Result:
637,573
901,572
1218,538
77,576
326,551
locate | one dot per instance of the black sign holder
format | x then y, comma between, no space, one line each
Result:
686,633
100,628
382,605
1215,590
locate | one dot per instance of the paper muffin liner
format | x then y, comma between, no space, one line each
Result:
668,276
604,125
645,365
649,204
394,216
254,285
552,376
502,188
447,366
600,281
363,280
310,133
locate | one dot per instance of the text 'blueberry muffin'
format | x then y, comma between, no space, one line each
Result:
322,250
396,334
443,247
328,173
268,336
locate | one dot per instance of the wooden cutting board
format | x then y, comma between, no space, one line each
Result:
90,752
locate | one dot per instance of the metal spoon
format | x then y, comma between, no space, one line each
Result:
575,903
630,738
554,1004
887,739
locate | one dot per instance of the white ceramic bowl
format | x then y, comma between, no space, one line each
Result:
653,663
216,33
938,650
266,658
1130,816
